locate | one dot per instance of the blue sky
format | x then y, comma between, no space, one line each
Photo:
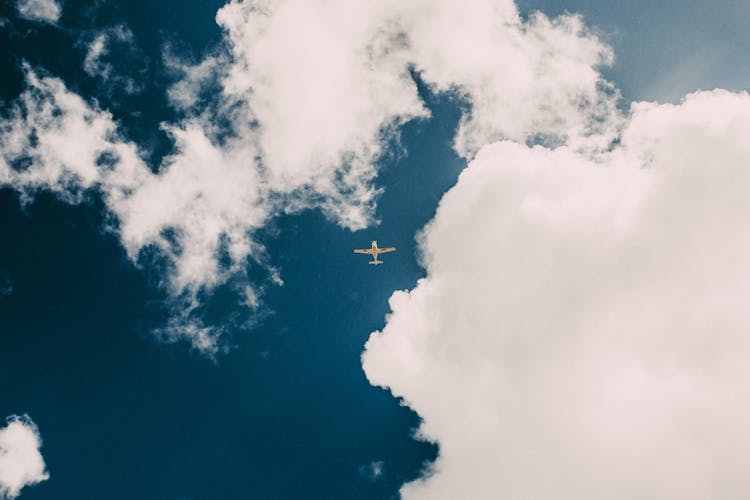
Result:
101,311
666,50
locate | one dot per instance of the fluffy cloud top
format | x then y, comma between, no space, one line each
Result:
21,463
347,68
582,329
44,11
324,99
525,80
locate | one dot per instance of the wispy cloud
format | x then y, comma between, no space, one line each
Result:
114,58
372,471
44,11
6,284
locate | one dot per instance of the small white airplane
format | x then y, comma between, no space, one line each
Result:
375,251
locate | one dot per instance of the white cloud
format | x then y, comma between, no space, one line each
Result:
204,201
45,11
534,79
53,140
346,70
194,79
113,57
21,463
324,99
372,471
582,329
96,49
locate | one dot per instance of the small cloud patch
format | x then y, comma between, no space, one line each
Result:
6,284
372,471
21,463
114,57
43,11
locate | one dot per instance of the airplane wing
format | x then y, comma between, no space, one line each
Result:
386,249
363,250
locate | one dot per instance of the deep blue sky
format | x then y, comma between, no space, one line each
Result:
288,412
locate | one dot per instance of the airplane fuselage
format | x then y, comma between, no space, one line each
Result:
375,252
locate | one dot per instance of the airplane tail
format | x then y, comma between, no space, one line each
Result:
376,262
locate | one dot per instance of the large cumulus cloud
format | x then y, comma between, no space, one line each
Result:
582,328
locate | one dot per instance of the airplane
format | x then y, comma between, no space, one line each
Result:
375,251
